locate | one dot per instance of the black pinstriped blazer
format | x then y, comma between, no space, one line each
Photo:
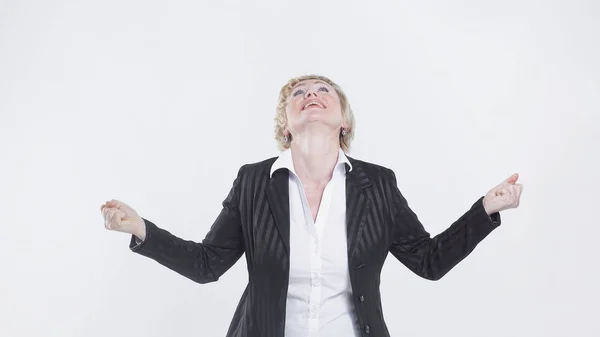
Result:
255,220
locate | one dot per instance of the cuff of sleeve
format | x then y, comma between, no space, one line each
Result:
492,220
135,243
495,217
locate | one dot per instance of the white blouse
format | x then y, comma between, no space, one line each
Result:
319,298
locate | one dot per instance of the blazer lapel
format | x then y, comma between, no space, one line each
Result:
278,196
357,204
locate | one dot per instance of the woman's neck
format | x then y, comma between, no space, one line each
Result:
315,156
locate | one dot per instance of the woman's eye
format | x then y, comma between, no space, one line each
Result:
301,91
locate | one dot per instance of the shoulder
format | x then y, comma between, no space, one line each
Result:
375,172
258,168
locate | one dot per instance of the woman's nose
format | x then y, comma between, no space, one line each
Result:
310,92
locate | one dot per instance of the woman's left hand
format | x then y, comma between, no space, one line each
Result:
504,196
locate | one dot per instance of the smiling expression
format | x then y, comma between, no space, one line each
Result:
313,101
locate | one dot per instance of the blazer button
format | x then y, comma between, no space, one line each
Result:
367,329
361,298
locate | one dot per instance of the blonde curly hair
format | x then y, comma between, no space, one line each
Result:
281,118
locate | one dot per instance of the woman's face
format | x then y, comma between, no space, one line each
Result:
313,103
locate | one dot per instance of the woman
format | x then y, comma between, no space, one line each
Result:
315,226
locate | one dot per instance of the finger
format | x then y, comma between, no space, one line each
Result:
114,216
512,179
105,207
107,223
119,204
114,203
514,196
111,219
519,188
507,194
106,213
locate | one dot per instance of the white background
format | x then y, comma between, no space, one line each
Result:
159,103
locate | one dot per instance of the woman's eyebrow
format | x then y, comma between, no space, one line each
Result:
303,84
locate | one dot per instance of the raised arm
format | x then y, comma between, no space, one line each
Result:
432,258
201,262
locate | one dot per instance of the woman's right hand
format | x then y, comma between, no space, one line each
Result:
119,217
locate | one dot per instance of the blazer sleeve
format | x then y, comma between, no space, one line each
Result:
205,261
431,258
